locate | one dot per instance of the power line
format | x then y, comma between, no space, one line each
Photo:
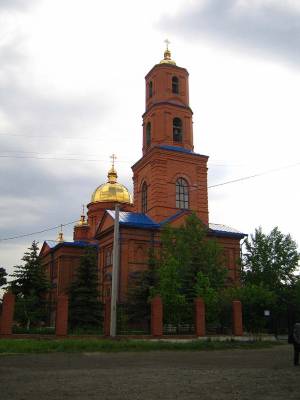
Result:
37,232
60,158
53,137
193,188
255,175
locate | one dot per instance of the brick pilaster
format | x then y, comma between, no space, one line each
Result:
62,311
200,317
237,318
107,313
7,316
156,316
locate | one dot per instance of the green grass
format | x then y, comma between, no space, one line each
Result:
9,346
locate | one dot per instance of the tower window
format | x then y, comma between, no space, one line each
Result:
150,89
108,257
148,134
182,194
175,85
177,130
144,197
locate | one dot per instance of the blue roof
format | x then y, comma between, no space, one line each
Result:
179,149
226,231
170,219
135,220
78,243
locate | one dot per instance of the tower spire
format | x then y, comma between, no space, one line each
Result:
112,173
60,237
167,54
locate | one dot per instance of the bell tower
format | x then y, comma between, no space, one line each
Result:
168,117
169,177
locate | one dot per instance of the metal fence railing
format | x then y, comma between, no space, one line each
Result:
178,319
133,319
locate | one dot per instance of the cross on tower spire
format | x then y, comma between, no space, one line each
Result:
167,41
113,157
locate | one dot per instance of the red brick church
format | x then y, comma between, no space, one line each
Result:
170,181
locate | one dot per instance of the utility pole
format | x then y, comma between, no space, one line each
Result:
115,275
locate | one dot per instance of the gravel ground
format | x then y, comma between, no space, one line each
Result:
221,375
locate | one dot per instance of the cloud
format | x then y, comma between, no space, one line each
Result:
16,4
269,27
37,194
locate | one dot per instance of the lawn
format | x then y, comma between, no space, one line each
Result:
12,346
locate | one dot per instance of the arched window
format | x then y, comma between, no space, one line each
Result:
175,85
182,194
150,89
108,257
144,197
177,130
148,134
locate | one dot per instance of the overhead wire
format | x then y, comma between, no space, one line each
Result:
195,187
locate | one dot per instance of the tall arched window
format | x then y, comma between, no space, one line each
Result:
175,85
182,194
148,134
108,257
177,130
144,198
150,89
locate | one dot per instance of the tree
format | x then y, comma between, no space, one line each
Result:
194,253
210,296
85,306
3,275
30,286
255,300
141,290
270,260
269,269
184,253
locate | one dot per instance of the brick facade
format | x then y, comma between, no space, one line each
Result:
168,156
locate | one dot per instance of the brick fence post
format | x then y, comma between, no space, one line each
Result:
199,317
156,316
237,318
62,311
7,316
106,321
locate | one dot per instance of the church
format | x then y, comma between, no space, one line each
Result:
169,181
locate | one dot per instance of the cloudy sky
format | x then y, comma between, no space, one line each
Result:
72,93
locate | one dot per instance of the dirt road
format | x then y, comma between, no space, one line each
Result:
218,375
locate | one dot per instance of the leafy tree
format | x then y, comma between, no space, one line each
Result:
184,253
270,259
30,286
3,275
210,296
255,299
85,306
194,253
269,271
141,290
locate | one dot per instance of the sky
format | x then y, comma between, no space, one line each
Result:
72,93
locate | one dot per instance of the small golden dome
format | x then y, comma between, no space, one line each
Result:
112,190
82,221
167,55
60,236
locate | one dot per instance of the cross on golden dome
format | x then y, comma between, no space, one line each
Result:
113,157
167,41
167,55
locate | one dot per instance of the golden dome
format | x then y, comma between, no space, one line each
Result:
167,55
112,190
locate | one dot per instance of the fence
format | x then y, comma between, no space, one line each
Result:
154,318
178,319
132,320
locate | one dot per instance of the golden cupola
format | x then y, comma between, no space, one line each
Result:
111,190
167,55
